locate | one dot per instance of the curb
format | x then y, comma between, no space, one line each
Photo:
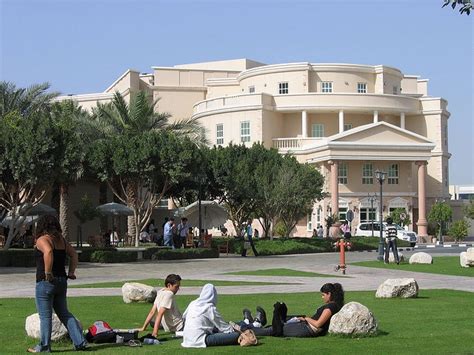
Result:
464,245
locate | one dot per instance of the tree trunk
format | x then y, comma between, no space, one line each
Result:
63,209
102,200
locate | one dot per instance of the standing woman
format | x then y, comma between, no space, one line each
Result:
51,283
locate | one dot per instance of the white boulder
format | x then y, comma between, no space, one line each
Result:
391,257
353,318
32,327
466,258
404,288
421,258
137,292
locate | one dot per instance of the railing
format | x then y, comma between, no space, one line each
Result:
297,143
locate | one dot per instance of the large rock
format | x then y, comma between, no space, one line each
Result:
32,327
391,257
353,318
137,292
404,288
421,258
466,258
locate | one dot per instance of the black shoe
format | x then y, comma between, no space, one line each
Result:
247,315
284,312
277,324
261,316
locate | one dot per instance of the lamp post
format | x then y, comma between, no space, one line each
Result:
380,176
372,199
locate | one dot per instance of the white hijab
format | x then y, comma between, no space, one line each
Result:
207,298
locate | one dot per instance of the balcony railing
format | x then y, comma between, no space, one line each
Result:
297,143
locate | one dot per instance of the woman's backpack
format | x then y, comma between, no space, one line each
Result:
100,332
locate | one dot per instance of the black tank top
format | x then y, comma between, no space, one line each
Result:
59,262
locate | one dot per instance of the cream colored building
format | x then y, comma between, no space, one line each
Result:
346,120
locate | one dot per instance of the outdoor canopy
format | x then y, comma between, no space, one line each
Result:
213,215
115,209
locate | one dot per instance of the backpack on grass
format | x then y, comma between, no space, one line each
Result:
100,332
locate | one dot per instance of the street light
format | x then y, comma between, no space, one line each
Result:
380,176
372,199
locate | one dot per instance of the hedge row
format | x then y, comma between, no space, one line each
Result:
17,257
179,254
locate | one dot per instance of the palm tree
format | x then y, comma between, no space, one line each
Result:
25,101
136,118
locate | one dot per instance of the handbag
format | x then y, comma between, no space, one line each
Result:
247,338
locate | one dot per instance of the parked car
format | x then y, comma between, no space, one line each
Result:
365,230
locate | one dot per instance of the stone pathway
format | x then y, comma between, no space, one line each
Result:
19,282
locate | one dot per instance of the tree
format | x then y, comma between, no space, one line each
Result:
119,119
298,187
86,212
67,116
469,209
28,162
400,217
459,229
440,214
465,5
141,169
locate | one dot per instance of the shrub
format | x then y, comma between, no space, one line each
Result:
178,254
113,256
17,257
86,253
459,229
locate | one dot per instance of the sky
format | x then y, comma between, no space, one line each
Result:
82,46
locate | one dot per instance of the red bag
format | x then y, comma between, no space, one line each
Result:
100,332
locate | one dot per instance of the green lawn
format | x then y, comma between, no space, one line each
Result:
280,272
444,265
438,322
184,283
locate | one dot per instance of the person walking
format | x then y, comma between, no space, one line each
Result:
168,232
248,241
391,241
51,250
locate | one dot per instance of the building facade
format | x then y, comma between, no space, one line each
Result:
346,120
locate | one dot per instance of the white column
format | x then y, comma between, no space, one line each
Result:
304,124
402,120
341,121
376,116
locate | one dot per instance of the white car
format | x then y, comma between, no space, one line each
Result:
365,230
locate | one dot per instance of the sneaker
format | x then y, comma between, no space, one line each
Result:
247,315
261,316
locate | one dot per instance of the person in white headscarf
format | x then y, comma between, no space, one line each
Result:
204,325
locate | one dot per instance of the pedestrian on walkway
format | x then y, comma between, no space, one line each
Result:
248,241
391,241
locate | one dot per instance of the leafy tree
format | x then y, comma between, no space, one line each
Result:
400,217
29,152
86,212
465,5
298,187
440,214
469,209
141,169
459,229
67,116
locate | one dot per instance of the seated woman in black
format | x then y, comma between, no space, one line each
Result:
317,325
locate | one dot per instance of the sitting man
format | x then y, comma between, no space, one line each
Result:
167,313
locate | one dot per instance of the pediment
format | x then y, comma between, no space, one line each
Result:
382,133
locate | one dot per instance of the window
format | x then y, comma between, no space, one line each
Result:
395,90
220,133
245,131
393,174
342,173
318,214
367,214
362,88
342,213
309,224
317,130
283,88
367,174
347,126
251,89
326,86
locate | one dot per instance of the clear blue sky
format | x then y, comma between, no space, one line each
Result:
82,46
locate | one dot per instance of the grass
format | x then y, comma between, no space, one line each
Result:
438,322
184,283
280,272
443,265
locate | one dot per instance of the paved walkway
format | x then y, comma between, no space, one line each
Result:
19,282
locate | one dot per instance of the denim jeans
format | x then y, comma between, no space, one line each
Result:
218,339
49,296
296,330
391,244
168,241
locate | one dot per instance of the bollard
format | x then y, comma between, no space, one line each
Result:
342,244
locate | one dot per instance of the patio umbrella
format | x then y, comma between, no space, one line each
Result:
213,215
115,209
20,221
39,210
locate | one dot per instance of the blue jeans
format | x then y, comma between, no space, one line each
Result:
168,241
218,339
49,296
